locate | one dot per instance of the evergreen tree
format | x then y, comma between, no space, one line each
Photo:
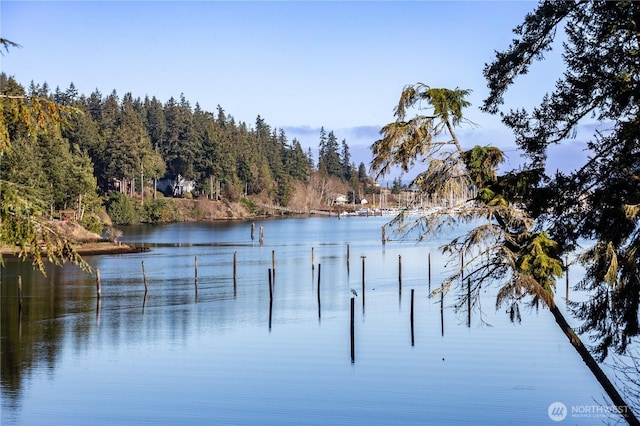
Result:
362,173
599,201
297,164
179,147
128,147
27,125
310,159
82,131
345,161
329,159
156,124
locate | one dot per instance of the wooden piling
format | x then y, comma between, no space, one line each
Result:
319,269
19,293
566,266
313,258
384,235
412,335
261,235
270,298
235,275
195,266
144,279
429,269
353,345
253,231
98,283
400,274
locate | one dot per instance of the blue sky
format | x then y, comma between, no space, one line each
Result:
300,65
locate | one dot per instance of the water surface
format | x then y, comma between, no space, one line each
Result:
227,355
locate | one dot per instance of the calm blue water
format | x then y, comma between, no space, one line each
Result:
224,357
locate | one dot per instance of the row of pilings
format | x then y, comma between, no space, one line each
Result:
271,279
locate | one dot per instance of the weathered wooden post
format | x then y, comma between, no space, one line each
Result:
253,231
261,235
566,265
412,335
19,293
98,283
270,300
235,276
384,235
429,269
442,308
462,266
144,279
400,274
313,256
195,266
319,269
353,345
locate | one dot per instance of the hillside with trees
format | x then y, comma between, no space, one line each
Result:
107,159
110,150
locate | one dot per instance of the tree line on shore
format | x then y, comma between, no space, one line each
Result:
69,149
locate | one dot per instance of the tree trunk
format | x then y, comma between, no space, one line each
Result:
455,138
626,411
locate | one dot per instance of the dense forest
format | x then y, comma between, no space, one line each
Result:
103,149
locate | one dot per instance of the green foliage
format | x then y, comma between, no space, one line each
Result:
396,187
539,259
504,249
600,84
129,139
22,227
406,142
249,204
161,210
64,148
121,209
34,156
482,163
92,222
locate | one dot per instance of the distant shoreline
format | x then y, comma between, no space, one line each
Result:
86,249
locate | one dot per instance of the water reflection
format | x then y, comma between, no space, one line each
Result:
195,333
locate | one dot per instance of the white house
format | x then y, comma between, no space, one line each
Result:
341,199
178,186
